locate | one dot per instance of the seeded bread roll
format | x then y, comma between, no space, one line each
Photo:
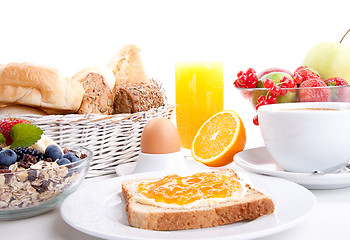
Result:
98,98
250,206
39,86
137,97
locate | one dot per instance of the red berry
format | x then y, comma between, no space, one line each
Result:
256,120
316,91
290,83
304,73
247,79
261,99
268,83
336,81
275,90
271,99
5,127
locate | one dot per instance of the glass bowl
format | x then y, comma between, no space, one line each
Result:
42,187
309,94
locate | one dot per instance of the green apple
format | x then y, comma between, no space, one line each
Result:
330,59
276,78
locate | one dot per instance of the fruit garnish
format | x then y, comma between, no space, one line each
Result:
185,190
336,81
18,132
247,79
314,90
338,94
219,139
278,85
2,139
5,126
24,135
304,73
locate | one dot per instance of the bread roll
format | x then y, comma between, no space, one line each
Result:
137,97
39,86
104,71
20,110
127,67
98,98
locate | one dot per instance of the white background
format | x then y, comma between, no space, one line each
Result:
71,35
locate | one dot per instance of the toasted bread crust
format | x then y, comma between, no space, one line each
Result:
252,206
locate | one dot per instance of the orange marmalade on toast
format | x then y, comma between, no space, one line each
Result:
173,189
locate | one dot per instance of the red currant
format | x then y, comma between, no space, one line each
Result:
261,99
247,79
268,83
271,99
275,90
256,120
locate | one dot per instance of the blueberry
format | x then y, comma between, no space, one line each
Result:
7,157
71,157
63,161
53,152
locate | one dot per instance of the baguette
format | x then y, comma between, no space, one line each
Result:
250,206
128,67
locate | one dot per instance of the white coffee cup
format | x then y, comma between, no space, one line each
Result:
303,137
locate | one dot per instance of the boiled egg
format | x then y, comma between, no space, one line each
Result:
160,136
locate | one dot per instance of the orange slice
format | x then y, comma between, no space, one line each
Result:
219,139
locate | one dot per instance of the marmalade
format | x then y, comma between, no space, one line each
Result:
185,190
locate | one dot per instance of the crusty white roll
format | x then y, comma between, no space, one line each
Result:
39,86
20,110
104,71
127,67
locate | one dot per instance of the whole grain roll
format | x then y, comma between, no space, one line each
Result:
39,86
137,97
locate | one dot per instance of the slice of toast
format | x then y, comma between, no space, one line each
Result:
249,206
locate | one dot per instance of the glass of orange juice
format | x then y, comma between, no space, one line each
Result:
199,95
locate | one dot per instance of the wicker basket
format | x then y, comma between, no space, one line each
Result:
114,139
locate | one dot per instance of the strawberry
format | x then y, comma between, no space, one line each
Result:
5,127
336,81
341,94
314,90
304,73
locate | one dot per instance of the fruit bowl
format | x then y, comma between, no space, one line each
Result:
42,187
305,94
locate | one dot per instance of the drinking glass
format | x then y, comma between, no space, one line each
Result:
199,95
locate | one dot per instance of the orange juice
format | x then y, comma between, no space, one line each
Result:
199,95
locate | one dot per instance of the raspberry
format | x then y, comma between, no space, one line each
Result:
336,81
247,79
5,127
314,90
304,73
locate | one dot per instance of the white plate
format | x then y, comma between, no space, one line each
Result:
99,210
258,160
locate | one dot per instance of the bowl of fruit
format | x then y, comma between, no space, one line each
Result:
276,85
36,174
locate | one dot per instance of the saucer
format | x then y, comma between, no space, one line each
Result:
258,160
